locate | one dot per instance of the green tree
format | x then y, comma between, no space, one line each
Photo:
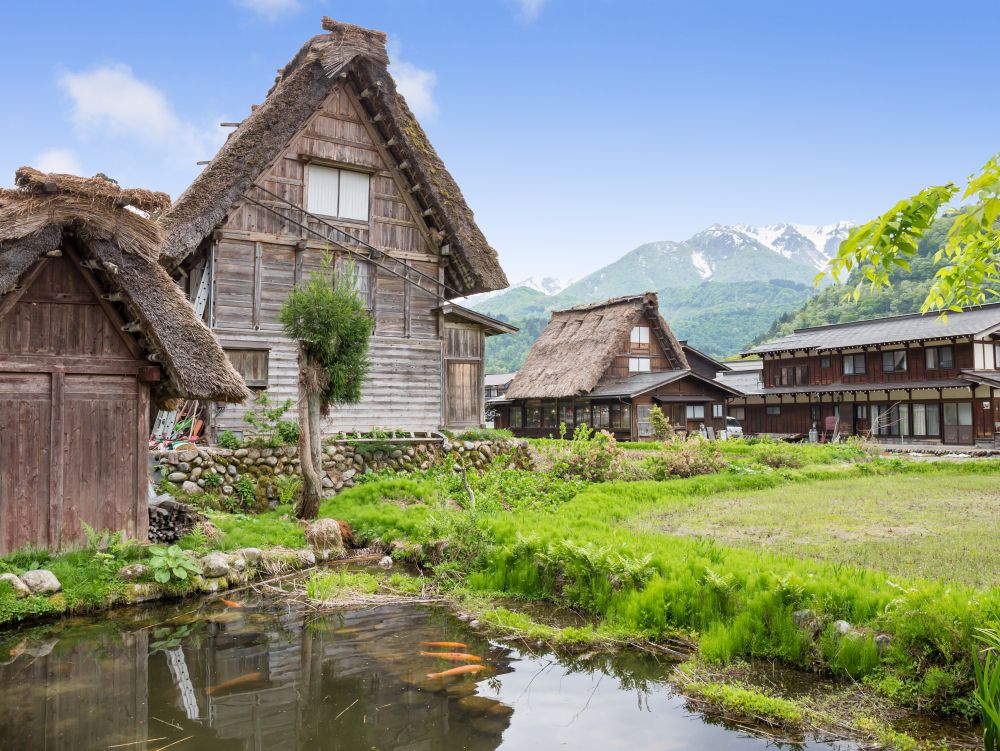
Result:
331,326
968,260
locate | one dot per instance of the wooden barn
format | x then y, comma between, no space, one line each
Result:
605,365
92,332
334,162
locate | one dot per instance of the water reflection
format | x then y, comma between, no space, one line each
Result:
277,677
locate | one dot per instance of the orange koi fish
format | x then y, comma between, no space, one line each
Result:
243,679
462,670
452,644
453,656
230,603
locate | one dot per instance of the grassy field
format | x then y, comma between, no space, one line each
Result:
933,526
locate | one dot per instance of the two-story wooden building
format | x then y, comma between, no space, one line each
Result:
910,378
605,365
334,162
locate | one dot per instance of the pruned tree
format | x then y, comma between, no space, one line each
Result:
329,322
969,260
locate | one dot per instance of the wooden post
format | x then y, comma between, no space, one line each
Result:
258,252
56,459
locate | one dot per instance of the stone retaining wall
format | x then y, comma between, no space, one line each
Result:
342,462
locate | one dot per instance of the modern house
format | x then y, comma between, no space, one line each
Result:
93,331
333,163
605,365
911,378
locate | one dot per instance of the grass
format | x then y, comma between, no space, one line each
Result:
938,526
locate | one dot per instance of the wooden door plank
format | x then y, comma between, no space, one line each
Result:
56,462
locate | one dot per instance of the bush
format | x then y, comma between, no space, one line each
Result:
484,434
590,456
244,495
778,455
288,432
663,430
228,440
680,458
268,421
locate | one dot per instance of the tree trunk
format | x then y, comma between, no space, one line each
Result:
310,448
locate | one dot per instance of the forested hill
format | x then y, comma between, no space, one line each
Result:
909,288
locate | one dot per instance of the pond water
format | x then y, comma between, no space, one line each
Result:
269,675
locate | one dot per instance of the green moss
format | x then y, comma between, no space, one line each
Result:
748,702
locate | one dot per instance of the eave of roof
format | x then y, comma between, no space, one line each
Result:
492,325
838,388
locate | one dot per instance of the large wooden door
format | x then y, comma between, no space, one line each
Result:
463,393
957,422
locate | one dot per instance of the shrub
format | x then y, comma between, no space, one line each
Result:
662,428
680,458
267,418
213,481
778,455
590,456
228,440
288,432
244,494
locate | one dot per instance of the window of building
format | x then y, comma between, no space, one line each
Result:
695,411
533,415
814,411
516,417
894,361
251,364
638,365
861,411
642,413
772,409
338,193
926,419
854,364
640,338
362,275
550,417
940,357
738,413
824,362
716,410
795,375
566,416
891,419
621,416
602,416
583,414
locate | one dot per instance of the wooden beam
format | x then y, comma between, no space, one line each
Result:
11,298
56,459
258,282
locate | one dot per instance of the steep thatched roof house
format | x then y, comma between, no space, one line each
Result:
333,160
605,364
92,330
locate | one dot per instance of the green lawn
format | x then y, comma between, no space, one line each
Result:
928,526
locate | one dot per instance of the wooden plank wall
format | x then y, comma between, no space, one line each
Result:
257,255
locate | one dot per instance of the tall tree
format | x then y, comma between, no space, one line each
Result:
969,259
330,324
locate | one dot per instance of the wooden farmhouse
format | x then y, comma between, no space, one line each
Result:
910,378
605,365
93,331
334,162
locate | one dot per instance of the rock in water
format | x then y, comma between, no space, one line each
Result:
19,587
325,538
215,565
41,582
386,562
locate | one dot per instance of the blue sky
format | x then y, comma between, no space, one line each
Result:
577,130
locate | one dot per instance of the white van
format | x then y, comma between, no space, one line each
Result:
733,428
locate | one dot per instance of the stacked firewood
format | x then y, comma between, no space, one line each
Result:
169,519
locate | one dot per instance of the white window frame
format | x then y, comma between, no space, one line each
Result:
639,364
852,359
694,412
357,211
892,354
716,410
640,335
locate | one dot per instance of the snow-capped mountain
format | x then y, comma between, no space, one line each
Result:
810,244
547,285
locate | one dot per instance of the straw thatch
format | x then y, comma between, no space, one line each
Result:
46,211
360,56
580,343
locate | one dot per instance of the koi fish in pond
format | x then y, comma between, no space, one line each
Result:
453,656
234,682
230,603
445,644
461,670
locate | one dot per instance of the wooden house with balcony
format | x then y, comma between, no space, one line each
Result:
605,365
905,379
333,162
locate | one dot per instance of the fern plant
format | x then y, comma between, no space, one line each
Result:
987,693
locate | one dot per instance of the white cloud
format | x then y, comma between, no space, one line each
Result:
58,160
270,9
110,100
414,83
530,9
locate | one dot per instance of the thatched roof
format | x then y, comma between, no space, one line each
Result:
360,56
580,343
99,219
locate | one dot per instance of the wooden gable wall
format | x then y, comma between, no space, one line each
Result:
259,257
618,368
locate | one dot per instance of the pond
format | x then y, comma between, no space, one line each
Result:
272,675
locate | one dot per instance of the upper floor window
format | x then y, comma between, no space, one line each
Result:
894,361
640,338
638,365
940,357
796,375
854,364
824,362
338,193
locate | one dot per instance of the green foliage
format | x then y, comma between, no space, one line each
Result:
589,455
330,322
171,563
228,440
684,458
663,430
267,420
213,481
484,434
267,529
244,495
747,701
968,265
288,488
987,692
